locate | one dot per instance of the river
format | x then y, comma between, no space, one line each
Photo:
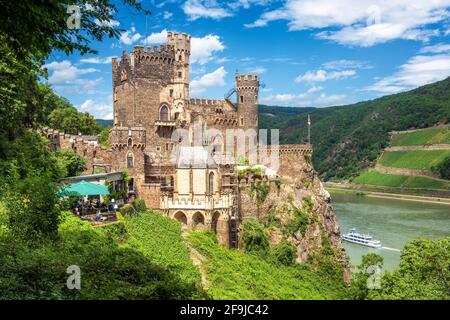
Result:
394,222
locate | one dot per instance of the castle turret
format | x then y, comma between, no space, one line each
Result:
181,45
247,87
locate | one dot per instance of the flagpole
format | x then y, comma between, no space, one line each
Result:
309,129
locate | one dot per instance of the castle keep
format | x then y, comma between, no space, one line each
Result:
182,175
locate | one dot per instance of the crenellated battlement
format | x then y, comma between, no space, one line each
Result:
247,77
205,102
247,82
179,42
157,54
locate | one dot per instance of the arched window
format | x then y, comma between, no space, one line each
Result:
211,183
130,142
164,113
130,160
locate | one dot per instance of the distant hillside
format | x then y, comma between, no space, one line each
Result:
348,139
104,123
269,116
409,161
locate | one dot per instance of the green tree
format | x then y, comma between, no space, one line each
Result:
443,169
360,287
423,273
73,163
69,120
104,137
31,206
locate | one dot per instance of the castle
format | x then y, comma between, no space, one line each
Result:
173,146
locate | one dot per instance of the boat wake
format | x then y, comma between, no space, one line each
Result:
391,249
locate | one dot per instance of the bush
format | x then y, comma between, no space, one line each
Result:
443,169
128,210
254,236
139,205
284,253
32,210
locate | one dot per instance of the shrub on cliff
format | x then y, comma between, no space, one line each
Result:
254,236
284,253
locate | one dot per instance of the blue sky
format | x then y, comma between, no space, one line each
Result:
309,53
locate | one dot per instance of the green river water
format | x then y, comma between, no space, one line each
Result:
393,222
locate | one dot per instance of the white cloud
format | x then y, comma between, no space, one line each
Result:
203,49
97,60
437,48
157,37
346,64
98,110
65,72
215,78
129,37
167,15
79,86
107,23
306,100
418,71
361,22
314,89
196,9
323,75
258,70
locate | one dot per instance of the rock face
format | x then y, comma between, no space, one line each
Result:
297,210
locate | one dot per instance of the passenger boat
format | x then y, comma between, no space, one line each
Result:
363,239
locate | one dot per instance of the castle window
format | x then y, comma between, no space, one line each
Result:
179,58
242,99
171,93
130,160
180,75
242,121
177,114
164,113
211,183
130,143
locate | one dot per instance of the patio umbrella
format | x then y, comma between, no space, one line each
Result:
84,188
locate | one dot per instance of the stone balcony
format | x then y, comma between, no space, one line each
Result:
224,201
163,123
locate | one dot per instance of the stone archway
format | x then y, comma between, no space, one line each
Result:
198,220
180,217
214,220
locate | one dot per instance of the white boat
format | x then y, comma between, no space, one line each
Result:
363,239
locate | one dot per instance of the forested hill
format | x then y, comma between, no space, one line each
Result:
349,138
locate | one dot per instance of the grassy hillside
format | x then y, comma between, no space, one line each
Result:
159,239
233,274
415,159
422,137
348,139
393,180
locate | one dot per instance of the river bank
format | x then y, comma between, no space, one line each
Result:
430,196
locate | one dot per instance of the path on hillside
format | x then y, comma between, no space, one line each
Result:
405,172
420,148
198,259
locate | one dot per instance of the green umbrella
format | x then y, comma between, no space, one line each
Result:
84,188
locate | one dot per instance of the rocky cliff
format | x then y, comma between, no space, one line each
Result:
296,209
